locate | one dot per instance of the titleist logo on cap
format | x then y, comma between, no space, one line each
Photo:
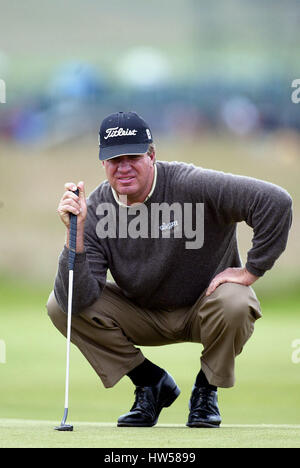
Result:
123,133
117,132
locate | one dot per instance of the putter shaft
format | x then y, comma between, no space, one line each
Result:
72,253
70,299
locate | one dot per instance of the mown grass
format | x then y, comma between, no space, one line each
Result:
34,434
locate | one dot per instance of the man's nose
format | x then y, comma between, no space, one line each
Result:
124,165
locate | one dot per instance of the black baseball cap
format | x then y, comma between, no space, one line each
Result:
123,133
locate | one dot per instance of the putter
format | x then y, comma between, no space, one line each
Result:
72,252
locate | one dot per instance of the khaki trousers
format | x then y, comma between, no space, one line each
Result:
108,331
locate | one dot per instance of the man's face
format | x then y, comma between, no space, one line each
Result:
131,176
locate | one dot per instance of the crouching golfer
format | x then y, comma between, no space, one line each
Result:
166,231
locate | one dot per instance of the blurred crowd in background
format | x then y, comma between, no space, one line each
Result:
78,96
244,55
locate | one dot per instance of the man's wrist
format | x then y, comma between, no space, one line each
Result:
250,277
79,239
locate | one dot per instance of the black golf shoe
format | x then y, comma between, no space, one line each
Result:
149,401
204,410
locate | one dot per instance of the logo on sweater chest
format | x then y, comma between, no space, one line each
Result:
171,225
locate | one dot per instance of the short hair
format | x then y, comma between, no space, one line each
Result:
151,150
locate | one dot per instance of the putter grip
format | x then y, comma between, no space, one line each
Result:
73,236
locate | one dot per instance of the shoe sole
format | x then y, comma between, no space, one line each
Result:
204,425
167,402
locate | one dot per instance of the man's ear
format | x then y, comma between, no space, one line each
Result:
152,157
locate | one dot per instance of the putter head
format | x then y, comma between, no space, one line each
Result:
64,428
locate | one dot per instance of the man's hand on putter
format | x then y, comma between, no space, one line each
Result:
71,203
231,275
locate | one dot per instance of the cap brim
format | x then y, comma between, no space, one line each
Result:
122,150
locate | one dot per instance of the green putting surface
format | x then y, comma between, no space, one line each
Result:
39,434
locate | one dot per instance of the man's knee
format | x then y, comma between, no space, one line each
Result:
238,303
57,316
